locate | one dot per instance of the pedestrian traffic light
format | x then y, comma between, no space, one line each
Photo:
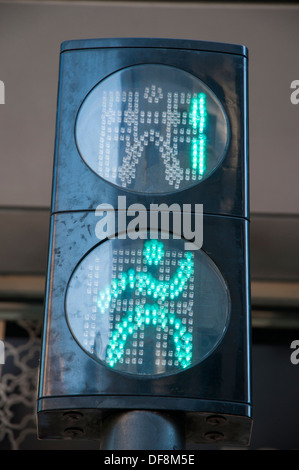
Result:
147,297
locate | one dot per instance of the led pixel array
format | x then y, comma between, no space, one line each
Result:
151,309
132,305
162,290
152,129
153,121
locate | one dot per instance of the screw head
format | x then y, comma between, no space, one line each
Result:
214,436
72,415
73,432
216,420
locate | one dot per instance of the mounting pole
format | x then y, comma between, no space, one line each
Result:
143,430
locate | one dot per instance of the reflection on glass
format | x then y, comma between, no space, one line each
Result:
133,305
152,128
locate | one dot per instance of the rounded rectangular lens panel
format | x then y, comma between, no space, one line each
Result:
152,129
132,305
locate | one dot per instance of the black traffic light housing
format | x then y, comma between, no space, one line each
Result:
186,350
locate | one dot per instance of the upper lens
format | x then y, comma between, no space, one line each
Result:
152,129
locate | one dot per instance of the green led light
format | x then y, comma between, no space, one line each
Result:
150,314
156,314
146,281
153,251
198,120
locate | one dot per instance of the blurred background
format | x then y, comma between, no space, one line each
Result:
30,38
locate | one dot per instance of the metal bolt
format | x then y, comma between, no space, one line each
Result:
72,415
214,436
216,420
73,432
